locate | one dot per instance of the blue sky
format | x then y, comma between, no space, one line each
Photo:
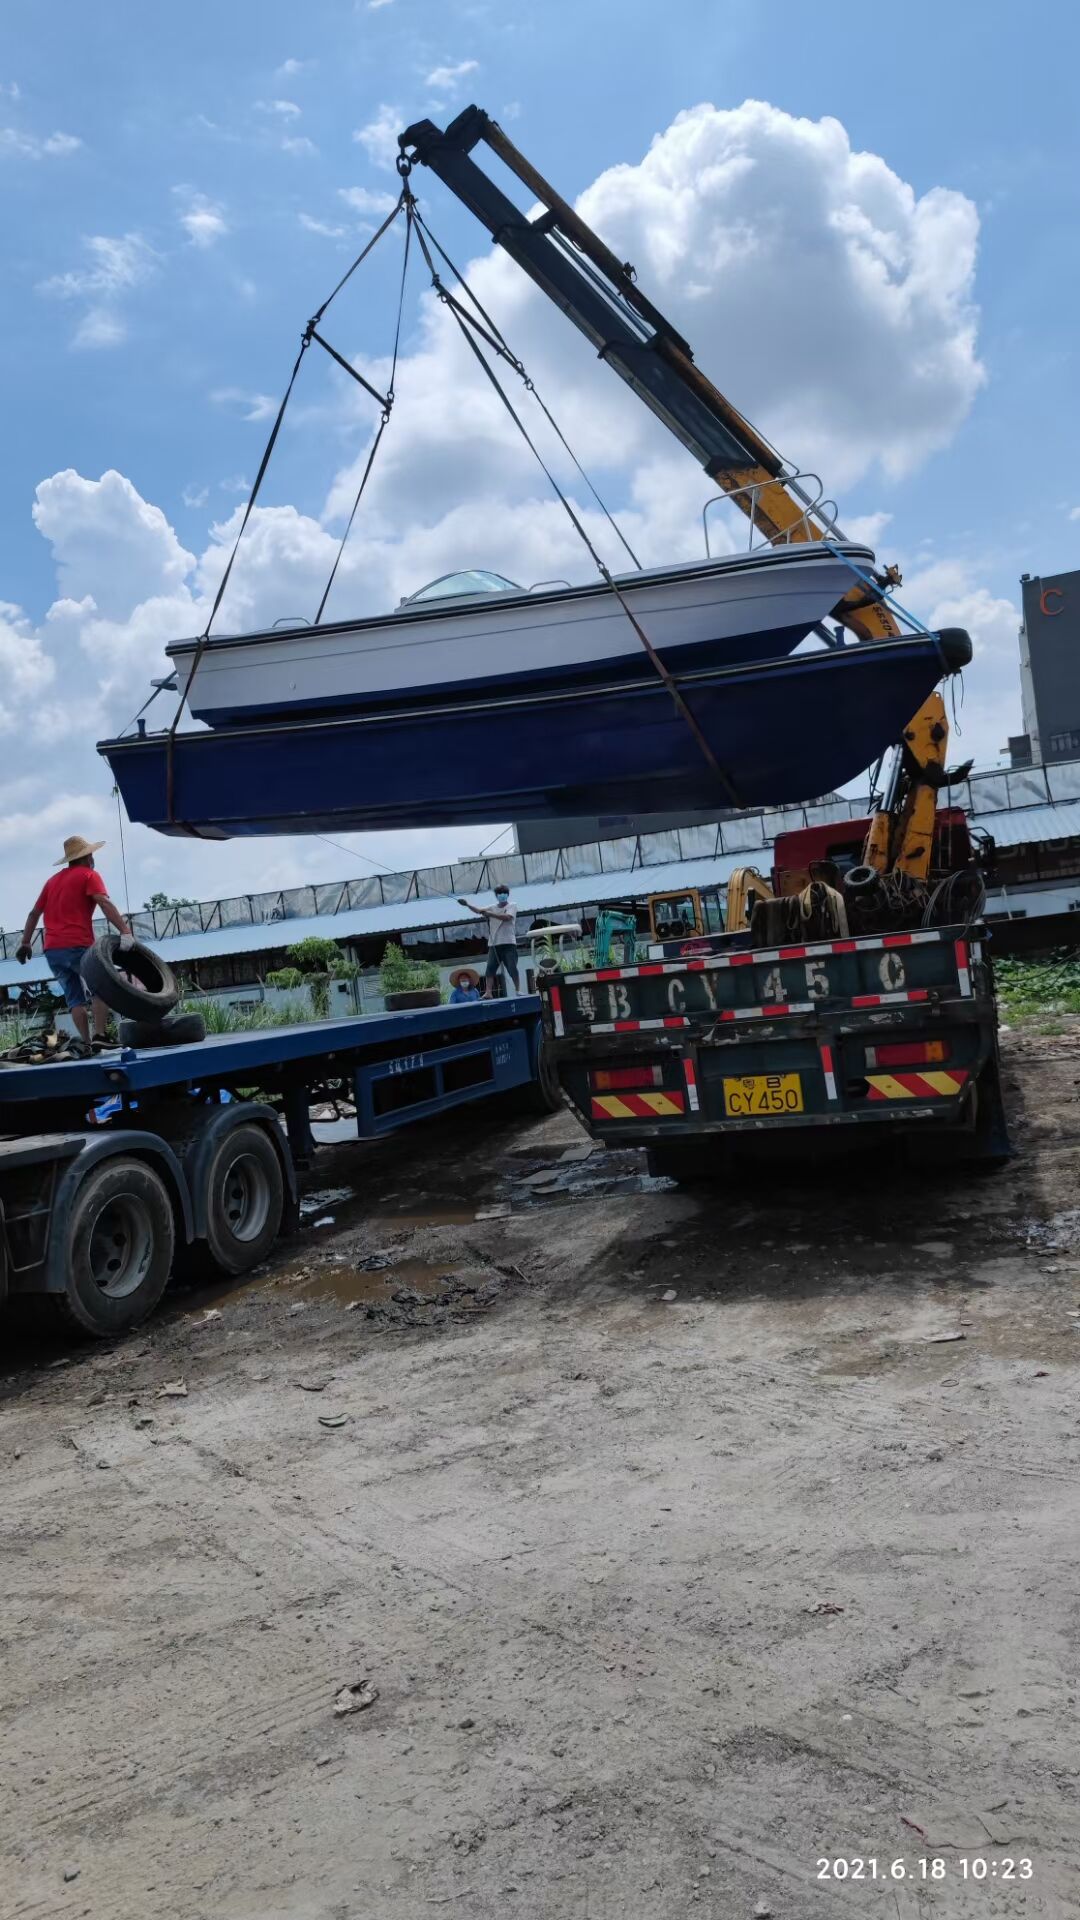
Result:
158,272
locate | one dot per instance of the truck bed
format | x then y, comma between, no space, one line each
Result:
232,1058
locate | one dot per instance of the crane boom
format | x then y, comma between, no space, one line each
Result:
599,293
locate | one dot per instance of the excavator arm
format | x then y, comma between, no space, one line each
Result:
599,293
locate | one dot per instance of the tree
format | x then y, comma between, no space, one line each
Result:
161,902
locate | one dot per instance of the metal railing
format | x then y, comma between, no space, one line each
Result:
814,510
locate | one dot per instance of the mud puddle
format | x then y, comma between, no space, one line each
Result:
403,1282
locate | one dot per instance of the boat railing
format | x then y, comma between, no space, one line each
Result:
817,520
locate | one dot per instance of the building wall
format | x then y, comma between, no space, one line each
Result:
1050,664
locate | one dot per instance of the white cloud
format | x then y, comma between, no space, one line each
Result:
100,327
10,89
445,79
297,143
373,6
251,406
947,593
1074,513
108,541
365,200
115,265
379,138
26,670
203,220
114,268
288,109
290,67
312,225
31,146
195,496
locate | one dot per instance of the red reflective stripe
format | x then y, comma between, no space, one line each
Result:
897,940
645,972
792,953
695,966
742,960
844,946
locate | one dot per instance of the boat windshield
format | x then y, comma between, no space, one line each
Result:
460,586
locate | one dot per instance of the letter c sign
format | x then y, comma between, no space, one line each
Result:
1045,597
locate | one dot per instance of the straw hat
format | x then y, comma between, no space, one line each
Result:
468,974
76,848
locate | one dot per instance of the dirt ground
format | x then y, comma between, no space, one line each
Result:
670,1543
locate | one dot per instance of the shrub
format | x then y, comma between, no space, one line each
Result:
399,974
288,978
315,954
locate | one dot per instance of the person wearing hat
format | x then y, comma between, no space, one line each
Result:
67,901
464,986
502,939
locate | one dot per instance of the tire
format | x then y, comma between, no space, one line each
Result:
244,1198
180,1029
544,1095
115,1234
149,994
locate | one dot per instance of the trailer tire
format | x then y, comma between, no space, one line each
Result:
178,1030
151,991
116,1233
243,1199
543,1095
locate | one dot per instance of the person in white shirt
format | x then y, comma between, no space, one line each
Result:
502,940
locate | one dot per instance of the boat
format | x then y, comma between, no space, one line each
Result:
776,730
476,634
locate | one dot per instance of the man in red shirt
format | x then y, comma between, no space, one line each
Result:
67,902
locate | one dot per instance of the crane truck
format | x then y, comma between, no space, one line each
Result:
842,991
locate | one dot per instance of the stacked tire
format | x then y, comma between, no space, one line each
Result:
140,988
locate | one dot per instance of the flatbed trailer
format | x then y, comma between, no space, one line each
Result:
729,1048
114,1168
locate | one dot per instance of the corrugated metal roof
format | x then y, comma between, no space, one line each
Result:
1032,826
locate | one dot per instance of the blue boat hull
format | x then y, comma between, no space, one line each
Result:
781,731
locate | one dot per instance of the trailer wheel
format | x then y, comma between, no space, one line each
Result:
117,1243
244,1200
543,1095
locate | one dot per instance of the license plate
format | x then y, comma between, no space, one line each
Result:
756,1094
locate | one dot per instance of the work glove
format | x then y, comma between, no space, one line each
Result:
125,943
23,954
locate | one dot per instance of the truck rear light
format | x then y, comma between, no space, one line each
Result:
906,1053
607,1079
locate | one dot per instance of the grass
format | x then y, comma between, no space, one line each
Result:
16,1027
222,1019
1038,992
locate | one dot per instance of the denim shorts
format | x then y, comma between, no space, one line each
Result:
64,965
502,956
